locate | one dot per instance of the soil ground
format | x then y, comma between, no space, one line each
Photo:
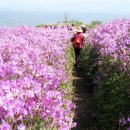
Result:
85,117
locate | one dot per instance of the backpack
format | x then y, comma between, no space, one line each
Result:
78,40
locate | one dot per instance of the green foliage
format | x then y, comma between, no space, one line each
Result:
111,97
74,22
89,59
110,88
93,24
70,65
41,25
70,59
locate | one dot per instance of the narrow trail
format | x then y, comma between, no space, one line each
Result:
85,118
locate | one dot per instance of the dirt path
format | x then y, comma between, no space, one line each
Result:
85,118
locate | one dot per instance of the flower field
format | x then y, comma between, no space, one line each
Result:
33,67
34,77
107,68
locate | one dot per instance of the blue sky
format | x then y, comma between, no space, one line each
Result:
111,7
100,6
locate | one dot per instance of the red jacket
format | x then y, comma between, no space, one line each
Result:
77,40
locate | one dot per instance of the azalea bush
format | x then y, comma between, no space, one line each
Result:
33,70
107,68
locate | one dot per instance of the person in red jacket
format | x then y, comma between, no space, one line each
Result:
77,42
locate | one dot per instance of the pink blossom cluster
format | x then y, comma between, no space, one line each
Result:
32,69
125,121
113,40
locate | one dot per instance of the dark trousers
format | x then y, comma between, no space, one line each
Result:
77,55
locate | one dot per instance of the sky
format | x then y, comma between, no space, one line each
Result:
112,8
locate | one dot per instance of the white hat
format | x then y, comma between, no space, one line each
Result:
83,25
79,29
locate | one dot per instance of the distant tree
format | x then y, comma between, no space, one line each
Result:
41,25
94,24
74,22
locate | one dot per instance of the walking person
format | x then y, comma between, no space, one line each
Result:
83,27
77,42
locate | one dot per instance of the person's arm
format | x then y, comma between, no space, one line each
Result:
72,39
